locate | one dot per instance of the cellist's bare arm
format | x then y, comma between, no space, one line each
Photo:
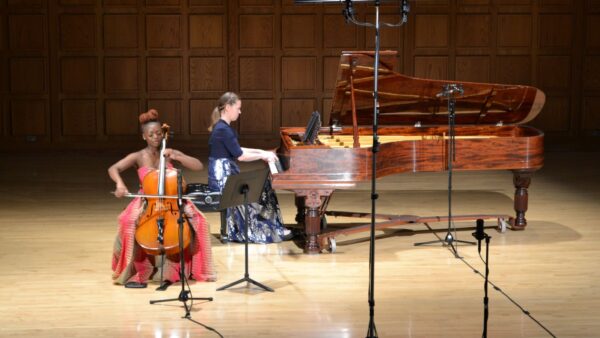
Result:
115,172
187,161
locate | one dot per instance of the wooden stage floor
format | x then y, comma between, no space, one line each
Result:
58,222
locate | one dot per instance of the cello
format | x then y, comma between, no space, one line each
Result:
158,230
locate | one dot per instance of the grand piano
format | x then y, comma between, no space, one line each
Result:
413,135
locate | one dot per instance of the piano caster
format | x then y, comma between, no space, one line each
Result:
331,246
502,225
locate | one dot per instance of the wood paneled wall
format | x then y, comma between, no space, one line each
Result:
76,73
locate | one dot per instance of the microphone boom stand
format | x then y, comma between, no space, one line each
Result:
184,295
372,330
479,234
485,287
448,91
348,13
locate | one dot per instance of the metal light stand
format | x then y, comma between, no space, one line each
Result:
184,295
349,15
448,91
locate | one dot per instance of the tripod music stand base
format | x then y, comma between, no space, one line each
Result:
246,279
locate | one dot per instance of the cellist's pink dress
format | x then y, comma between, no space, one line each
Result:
131,264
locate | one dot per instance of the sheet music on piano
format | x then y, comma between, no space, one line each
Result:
311,134
312,128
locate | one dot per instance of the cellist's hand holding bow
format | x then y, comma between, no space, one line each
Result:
121,191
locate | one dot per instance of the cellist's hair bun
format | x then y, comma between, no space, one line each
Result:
149,116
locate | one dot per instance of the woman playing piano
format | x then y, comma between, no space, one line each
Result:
130,264
266,224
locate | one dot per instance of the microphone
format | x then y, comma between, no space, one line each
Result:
450,89
348,12
479,234
405,11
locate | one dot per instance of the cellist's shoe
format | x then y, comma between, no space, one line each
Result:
164,285
135,285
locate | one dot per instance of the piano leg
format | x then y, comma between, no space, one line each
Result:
521,181
300,209
312,228
308,203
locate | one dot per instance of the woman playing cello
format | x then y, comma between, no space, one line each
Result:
131,265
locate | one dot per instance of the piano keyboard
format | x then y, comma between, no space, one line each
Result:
275,167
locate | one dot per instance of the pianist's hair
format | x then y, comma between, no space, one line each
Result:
228,98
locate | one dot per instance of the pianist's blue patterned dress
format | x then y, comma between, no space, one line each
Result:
266,223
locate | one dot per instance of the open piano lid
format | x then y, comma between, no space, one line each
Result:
405,100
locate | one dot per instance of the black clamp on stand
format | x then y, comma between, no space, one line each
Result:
449,91
243,189
479,235
184,295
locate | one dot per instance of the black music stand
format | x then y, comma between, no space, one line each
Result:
243,189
